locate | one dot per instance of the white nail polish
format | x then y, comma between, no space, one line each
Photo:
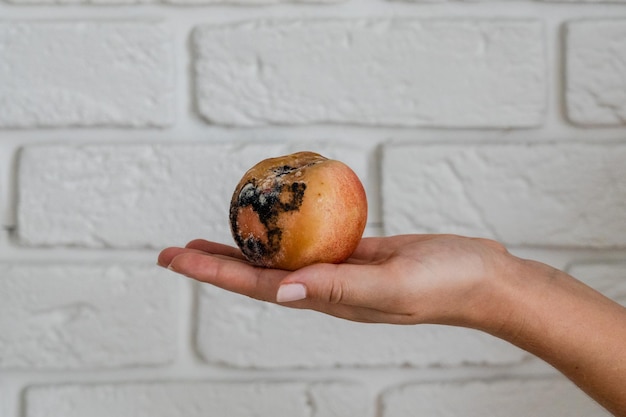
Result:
290,292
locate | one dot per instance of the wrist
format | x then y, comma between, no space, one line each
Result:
508,296
529,299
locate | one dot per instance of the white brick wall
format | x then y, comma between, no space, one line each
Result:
124,127
85,73
505,398
475,73
129,196
198,398
565,194
320,341
86,316
596,87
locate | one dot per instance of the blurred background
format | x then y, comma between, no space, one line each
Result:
125,127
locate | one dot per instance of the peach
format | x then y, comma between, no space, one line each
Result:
297,210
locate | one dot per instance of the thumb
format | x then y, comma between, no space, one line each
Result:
329,283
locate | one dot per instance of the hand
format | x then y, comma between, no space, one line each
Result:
444,279
405,279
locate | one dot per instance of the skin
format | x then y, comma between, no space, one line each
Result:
444,279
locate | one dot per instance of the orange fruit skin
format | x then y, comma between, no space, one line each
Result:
297,210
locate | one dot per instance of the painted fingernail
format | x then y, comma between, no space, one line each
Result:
290,292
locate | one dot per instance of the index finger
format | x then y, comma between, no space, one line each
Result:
230,274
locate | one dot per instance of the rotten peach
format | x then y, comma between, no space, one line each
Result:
296,210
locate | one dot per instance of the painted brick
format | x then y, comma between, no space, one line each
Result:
251,2
121,2
445,73
199,398
139,195
86,316
506,398
570,195
242,332
85,74
72,2
596,86
609,278
583,1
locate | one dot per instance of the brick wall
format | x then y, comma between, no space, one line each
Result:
125,125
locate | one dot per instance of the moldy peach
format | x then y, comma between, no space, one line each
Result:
298,209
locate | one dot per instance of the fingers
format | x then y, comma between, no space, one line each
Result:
264,284
215,248
351,285
228,273
365,290
354,292
166,255
199,246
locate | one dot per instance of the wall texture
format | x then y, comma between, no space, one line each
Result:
125,126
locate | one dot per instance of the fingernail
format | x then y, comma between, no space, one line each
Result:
171,268
290,292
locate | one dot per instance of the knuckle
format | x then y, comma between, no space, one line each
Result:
336,292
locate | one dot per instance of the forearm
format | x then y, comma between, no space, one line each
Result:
567,324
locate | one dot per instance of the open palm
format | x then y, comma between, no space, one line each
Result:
403,279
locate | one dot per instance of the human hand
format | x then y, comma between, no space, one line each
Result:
444,279
405,279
